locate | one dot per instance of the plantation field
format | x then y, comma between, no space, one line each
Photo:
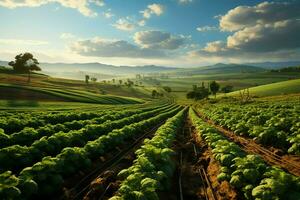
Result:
140,150
149,100
65,139
30,106
79,129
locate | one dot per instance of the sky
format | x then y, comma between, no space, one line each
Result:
180,33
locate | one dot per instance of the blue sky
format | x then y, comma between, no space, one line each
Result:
135,32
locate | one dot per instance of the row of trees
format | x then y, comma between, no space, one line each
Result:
203,92
127,83
88,79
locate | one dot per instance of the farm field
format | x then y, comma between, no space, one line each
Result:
151,149
149,100
66,139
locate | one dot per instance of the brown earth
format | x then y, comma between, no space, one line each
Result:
197,171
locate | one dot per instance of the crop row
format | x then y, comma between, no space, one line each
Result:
153,166
18,121
249,174
28,135
277,126
17,157
34,120
46,177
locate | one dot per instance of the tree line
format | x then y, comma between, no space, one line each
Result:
202,92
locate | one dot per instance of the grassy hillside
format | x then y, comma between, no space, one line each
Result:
14,87
279,88
10,91
219,68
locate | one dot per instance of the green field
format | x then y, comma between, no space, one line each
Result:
15,89
57,132
237,80
273,89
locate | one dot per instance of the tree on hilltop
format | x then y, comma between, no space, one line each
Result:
25,63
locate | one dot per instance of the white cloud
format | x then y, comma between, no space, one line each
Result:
217,16
98,47
158,40
98,2
267,30
156,9
142,22
207,28
124,24
108,14
67,36
215,46
146,14
263,13
268,37
22,42
185,1
81,5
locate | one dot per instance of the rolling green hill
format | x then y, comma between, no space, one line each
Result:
279,88
220,68
10,91
42,88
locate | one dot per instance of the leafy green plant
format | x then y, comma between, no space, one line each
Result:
153,166
249,174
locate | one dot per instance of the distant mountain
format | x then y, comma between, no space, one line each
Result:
220,68
102,71
275,65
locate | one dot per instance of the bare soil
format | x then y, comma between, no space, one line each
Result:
197,171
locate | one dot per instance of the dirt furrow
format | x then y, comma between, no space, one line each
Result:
197,170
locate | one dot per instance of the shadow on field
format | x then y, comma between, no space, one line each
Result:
17,103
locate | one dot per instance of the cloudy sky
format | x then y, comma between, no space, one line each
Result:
182,33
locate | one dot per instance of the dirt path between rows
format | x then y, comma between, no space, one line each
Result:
197,171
